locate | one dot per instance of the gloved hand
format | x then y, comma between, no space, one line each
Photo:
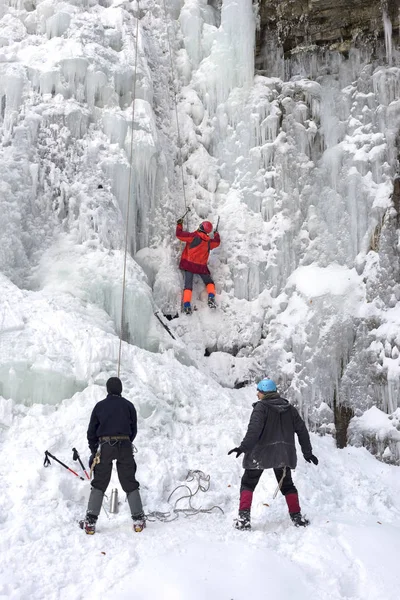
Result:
238,451
179,222
312,459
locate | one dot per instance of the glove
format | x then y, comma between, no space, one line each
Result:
91,459
179,222
312,459
238,451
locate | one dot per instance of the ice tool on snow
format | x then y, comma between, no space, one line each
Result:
48,463
164,325
75,456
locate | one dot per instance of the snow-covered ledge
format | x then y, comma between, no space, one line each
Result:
378,432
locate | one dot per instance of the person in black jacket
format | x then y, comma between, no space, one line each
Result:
269,444
112,429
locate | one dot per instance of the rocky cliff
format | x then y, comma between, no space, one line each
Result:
295,25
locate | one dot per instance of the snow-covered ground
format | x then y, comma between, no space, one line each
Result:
350,550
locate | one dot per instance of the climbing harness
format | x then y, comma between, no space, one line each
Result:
129,192
280,483
203,485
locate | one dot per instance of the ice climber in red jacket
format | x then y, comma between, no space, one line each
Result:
194,260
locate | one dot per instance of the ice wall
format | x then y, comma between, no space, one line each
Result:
298,163
304,159
73,155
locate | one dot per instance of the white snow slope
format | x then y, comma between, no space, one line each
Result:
350,550
287,165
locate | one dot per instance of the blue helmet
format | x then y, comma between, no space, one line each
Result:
266,385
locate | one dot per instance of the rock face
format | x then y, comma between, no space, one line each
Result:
331,24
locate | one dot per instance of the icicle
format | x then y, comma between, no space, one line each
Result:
58,24
231,62
387,26
191,22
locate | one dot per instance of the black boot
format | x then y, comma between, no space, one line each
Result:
243,520
299,520
139,522
187,308
211,301
89,524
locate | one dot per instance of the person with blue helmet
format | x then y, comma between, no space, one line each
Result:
270,444
266,385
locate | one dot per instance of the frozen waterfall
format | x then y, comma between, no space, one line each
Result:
297,160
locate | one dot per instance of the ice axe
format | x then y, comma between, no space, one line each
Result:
75,456
47,463
187,211
164,325
216,228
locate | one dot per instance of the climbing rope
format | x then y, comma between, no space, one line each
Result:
131,169
129,193
175,104
203,485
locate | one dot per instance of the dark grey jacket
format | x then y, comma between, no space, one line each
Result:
269,441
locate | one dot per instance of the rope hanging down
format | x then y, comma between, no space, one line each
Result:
175,104
129,192
203,485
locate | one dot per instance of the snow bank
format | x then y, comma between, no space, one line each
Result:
378,432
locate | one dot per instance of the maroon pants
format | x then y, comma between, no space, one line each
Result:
250,479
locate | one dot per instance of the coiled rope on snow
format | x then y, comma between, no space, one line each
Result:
203,485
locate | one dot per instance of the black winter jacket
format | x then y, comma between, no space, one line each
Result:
112,416
269,441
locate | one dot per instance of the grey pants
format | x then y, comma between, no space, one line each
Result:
120,451
189,279
96,500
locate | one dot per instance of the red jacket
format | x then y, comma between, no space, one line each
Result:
197,250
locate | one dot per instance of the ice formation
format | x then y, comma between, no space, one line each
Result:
298,161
